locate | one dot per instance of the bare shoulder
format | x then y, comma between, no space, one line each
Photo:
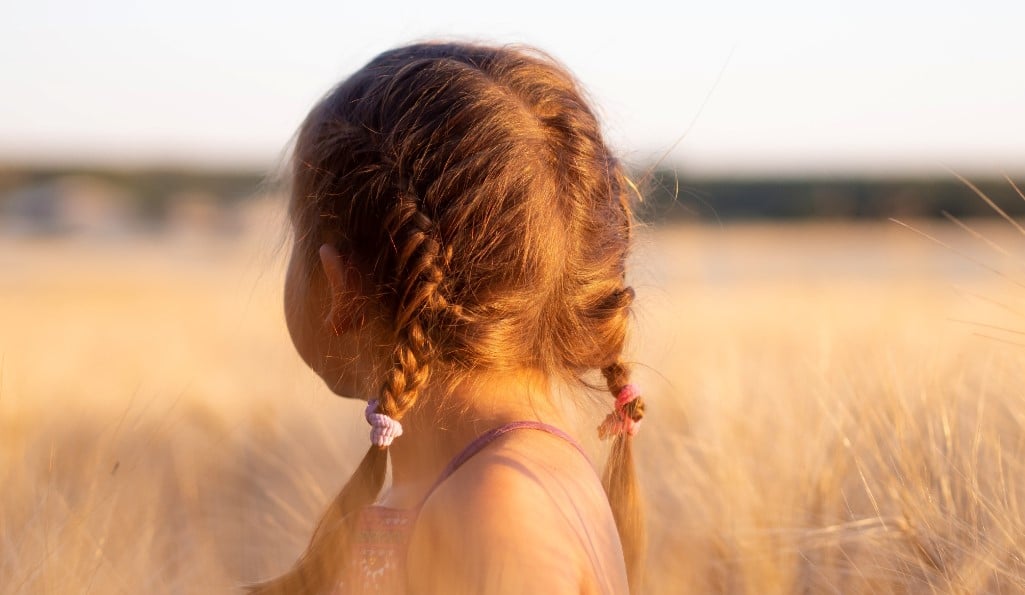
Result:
527,514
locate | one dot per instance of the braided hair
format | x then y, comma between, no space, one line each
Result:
472,188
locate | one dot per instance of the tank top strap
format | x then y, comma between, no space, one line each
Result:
488,437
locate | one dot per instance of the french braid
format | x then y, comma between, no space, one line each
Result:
418,277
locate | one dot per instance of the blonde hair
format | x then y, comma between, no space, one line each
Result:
472,188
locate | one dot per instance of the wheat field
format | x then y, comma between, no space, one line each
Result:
833,408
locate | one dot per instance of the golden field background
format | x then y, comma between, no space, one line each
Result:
833,408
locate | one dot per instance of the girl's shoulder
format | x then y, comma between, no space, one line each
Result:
527,513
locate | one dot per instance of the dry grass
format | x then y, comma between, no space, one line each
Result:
822,419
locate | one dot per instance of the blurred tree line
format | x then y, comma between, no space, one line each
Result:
667,194
151,191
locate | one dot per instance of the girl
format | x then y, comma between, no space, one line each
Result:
460,237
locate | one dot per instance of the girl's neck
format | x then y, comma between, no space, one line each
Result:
441,425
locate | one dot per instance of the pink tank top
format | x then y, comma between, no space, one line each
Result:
377,561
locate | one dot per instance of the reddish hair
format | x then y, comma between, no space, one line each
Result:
472,188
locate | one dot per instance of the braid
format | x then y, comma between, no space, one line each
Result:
417,276
620,481
620,477
617,376
419,272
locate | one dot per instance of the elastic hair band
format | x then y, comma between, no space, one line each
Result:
383,429
619,421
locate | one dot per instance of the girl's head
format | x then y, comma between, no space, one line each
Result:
482,225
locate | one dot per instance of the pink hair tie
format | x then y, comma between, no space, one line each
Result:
619,421
383,429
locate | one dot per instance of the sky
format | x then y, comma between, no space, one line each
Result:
720,88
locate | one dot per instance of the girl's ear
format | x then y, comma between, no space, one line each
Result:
344,286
